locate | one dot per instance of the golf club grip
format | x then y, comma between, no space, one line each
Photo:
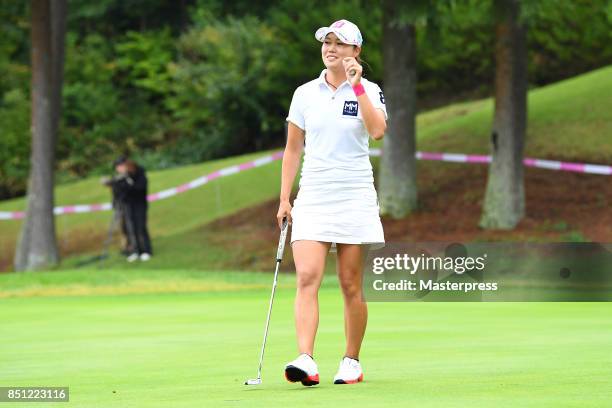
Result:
352,73
281,241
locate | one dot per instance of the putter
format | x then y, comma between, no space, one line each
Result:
279,258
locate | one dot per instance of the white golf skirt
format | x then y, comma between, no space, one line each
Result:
337,213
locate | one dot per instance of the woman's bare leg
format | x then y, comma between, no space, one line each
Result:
351,259
309,258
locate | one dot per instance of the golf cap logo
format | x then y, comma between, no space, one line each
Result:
346,31
350,108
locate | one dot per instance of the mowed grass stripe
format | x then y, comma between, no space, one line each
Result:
196,349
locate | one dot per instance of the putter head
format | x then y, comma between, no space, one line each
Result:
255,381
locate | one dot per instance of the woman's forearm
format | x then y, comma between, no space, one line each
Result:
291,162
373,119
291,159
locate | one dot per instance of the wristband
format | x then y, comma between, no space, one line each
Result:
359,89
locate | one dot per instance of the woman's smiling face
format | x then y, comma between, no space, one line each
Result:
333,51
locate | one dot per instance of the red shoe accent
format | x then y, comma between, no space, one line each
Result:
354,381
311,380
294,374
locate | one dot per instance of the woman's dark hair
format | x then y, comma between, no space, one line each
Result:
362,62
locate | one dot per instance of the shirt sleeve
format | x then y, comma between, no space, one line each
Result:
296,110
377,97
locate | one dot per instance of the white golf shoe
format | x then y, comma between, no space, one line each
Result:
132,257
349,372
302,369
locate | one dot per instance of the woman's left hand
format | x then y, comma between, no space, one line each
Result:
351,64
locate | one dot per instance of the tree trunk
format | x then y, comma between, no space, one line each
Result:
59,13
504,204
397,174
37,246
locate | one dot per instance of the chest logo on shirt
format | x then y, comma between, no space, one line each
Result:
350,108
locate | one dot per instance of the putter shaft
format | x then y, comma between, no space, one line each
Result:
279,258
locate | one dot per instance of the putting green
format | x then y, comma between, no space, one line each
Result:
196,349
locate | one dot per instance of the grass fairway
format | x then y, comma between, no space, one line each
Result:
196,348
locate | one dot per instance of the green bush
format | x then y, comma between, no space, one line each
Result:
223,99
142,60
567,38
109,99
14,147
90,130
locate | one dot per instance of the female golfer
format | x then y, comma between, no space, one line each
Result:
336,208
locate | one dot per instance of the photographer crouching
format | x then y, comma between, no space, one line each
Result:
129,187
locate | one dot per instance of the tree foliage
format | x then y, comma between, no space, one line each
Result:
176,82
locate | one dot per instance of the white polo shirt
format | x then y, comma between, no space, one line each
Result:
337,142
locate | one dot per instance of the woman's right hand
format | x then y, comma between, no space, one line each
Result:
284,210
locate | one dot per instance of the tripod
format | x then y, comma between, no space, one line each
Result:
120,211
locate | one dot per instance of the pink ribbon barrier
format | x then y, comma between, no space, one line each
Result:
228,171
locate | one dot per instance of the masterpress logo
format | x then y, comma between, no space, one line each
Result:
424,263
488,272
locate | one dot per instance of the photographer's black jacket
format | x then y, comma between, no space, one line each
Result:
131,188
